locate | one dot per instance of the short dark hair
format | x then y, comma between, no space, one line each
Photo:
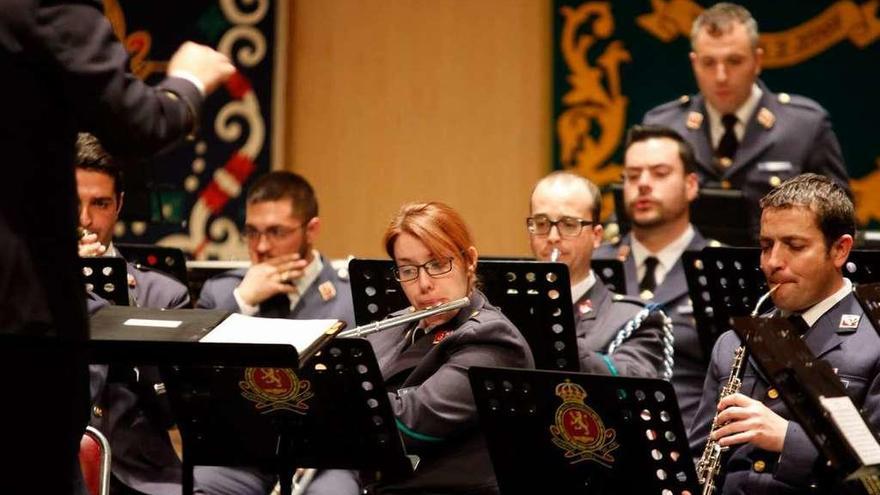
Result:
90,155
280,184
835,213
719,19
639,133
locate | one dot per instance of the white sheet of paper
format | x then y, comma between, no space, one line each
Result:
241,329
850,422
140,322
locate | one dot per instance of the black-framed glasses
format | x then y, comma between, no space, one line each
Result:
567,226
274,233
434,268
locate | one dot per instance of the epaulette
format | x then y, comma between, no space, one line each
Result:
798,101
341,267
624,299
676,104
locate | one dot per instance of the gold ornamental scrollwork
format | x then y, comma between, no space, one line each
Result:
842,20
593,120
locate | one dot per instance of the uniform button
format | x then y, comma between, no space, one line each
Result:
759,466
775,181
725,184
773,393
97,411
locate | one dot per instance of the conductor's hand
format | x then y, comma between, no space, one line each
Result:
211,67
89,246
746,420
271,277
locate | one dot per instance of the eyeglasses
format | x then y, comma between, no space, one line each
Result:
567,226
273,234
434,268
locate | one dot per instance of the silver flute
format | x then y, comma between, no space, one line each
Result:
709,464
378,326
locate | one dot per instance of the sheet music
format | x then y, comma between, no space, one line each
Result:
852,425
241,329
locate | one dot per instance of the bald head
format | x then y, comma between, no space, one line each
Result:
577,191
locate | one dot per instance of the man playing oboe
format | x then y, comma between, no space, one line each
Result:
807,230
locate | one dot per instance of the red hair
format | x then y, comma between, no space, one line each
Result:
440,228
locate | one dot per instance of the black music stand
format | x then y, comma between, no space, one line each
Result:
723,282
610,271
535,296
107,277
168,260
331,413
720,214
557,432
806,384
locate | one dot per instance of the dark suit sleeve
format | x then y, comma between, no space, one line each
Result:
443,405
641,355
129,117
825,157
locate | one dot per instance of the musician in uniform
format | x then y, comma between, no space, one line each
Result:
807,229
128,403
564,216
425,364
745,136
288,278
659,183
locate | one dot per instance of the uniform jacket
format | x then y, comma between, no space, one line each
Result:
854,353
63,71
689,371
786,136
217,294
125,405
431,397
599,315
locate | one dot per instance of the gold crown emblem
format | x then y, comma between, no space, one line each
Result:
571,392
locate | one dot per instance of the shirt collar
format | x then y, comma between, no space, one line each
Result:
812,315
310,274
579,289
111,251
668,256
743,114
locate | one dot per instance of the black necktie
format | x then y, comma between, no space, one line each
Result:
649,280
728,144
799,324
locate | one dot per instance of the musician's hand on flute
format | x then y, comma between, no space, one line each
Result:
89,245
271,277
747,420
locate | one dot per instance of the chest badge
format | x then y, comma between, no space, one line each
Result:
439,335
694,120
849,321
327,290
585,307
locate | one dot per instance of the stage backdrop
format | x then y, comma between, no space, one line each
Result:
613,61
192,197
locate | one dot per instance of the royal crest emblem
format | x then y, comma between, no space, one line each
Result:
274,389
579,431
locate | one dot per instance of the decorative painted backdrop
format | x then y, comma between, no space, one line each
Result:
196,199
613,61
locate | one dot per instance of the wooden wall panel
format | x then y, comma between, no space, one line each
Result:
398,100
